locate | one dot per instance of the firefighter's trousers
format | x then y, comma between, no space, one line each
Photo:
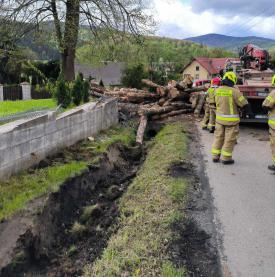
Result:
272,143
206,115
225,139
212,118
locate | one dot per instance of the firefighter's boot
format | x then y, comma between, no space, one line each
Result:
212,130
228,162
272,167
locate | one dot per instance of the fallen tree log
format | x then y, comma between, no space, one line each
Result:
181,104
200,105
141,129
173,93
149,83
98,89
181,96
181,86
128,107
116,93
96,94
195,89
171,114
141,97
155,110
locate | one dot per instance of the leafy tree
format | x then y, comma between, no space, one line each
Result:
77,91
86,90
152,52
114,16
132,76
62,92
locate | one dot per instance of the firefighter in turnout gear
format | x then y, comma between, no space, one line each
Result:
206,117
215,83
269,104
227,98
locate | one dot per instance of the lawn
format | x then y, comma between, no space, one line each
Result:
17,191
12,107
152,204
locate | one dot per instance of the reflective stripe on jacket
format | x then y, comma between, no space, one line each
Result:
270,104
228,99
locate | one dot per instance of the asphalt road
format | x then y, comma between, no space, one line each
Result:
244,200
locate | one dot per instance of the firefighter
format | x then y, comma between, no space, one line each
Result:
269,104
206,117
227,98
215,83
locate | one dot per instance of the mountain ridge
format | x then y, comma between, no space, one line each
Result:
232,43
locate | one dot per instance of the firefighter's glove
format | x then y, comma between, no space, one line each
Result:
266,109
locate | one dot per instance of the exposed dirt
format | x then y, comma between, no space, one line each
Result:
73,227
195,246
75,152
180,170
62,239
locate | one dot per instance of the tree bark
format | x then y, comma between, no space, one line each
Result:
67,64
141,129
70,38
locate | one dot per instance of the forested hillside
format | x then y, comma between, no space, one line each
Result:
232,43
152,50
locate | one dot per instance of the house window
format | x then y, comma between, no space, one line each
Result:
197,68
197,77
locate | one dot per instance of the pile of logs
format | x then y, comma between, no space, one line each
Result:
163,102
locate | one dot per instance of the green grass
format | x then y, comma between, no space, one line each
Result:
152,203
17,191
12,107
126,135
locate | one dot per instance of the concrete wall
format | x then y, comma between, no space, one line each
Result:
201,74
24,143
26,91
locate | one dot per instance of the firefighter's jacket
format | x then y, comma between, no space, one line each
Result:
227,100
211,96
270,104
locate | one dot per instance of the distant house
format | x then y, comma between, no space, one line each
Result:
110,73
206,68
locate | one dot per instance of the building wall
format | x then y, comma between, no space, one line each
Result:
201,74
24,143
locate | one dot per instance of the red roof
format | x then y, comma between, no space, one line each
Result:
214,65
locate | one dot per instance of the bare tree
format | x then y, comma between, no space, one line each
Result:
121,16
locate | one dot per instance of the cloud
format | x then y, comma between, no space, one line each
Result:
184,18
247,7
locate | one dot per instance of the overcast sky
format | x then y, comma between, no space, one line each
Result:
186,18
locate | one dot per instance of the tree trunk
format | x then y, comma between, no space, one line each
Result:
70,38
67,64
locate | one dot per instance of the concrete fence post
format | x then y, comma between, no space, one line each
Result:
1,92
26,91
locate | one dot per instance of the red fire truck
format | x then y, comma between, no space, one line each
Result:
254,79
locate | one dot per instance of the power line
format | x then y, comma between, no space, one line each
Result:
246,22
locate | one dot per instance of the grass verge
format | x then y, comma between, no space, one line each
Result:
12,107
152,203
17,191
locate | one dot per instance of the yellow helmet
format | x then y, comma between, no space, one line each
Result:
273,80
232,77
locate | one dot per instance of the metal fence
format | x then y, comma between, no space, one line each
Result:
12,92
